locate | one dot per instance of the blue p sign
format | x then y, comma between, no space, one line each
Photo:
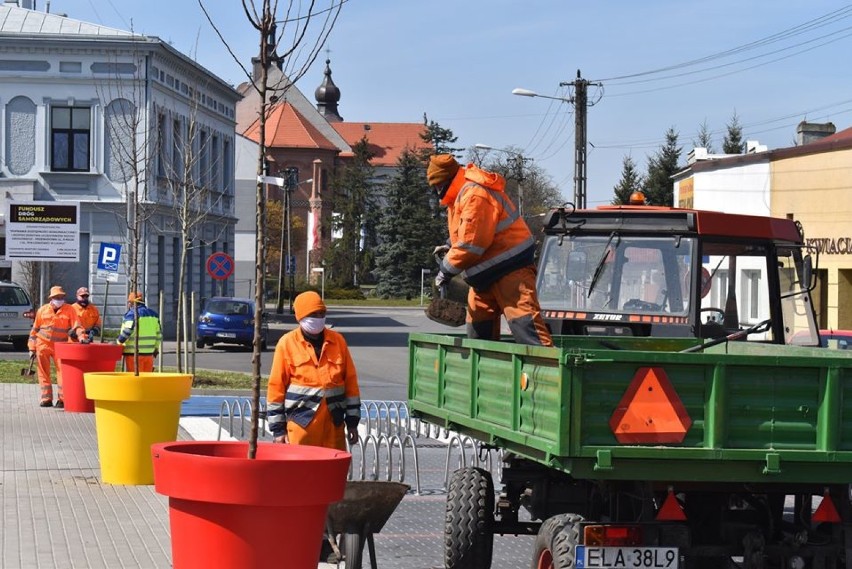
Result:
108,257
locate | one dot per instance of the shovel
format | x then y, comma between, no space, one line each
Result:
28,371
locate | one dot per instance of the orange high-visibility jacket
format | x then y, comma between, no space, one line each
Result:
51,326
88,317
298,382
488,237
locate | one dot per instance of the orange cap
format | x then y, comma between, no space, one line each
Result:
442,168
307,303
56,291
82,291
135,297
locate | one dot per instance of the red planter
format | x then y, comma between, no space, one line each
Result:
228,511
77,359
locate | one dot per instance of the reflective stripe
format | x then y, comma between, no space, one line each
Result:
353,406
476,250
301,402
508,254
447,268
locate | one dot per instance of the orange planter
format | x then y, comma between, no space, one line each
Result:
77,359
227,511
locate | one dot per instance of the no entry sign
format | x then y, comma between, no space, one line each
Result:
220,266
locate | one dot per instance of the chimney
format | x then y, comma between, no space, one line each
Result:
807,132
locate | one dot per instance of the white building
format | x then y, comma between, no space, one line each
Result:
91,114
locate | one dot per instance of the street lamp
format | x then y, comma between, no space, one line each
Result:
579,102
519,161
288,185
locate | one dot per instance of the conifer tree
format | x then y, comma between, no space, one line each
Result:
631,181
408,231
705,138
733,142
659,186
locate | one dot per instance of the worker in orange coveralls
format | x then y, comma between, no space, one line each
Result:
53,323
313,387
493,249
88,318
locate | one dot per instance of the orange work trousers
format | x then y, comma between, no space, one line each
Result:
320,432
43,357
146,362
512,296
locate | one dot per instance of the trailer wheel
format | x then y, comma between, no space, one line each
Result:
468,535
556,542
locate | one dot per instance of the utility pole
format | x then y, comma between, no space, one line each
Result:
580,100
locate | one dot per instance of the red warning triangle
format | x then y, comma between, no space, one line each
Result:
650,412
671,510
826,512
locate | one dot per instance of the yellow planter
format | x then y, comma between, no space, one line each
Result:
132,412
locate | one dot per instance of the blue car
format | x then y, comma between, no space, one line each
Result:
229,320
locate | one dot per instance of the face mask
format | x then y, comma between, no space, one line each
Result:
57,302
83,301
311,325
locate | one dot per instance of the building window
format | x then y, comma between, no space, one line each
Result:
70,133
751,294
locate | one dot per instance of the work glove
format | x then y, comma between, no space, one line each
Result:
86,340
94,331
440,250
442,278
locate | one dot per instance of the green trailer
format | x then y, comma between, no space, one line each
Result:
646,452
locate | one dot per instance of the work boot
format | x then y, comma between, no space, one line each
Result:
46,403
60,404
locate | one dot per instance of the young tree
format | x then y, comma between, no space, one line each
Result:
631,181
659,186
733,141
302,35
408,231
705,137
354,206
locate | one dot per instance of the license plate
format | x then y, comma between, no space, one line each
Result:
8,314
226,335
627,557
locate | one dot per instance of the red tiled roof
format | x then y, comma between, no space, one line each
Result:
287,128
845,134
387,140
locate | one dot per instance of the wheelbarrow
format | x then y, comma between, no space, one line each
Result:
366,506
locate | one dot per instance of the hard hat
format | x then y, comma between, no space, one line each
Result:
82,291
56,291
135,297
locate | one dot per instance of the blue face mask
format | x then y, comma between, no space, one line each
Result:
311,325
57,302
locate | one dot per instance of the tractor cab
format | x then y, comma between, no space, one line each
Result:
669,272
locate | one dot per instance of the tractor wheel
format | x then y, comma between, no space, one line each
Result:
468,535
556,542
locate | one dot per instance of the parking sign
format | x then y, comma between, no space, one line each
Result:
108,258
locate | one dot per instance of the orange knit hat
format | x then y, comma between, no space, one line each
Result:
307,303
442,168
56,291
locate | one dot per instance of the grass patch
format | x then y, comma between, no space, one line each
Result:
10,372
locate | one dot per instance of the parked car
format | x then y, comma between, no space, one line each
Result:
838,339
229,321
16,315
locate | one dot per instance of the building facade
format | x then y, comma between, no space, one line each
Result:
810,182
138,134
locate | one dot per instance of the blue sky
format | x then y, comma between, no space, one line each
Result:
458,61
